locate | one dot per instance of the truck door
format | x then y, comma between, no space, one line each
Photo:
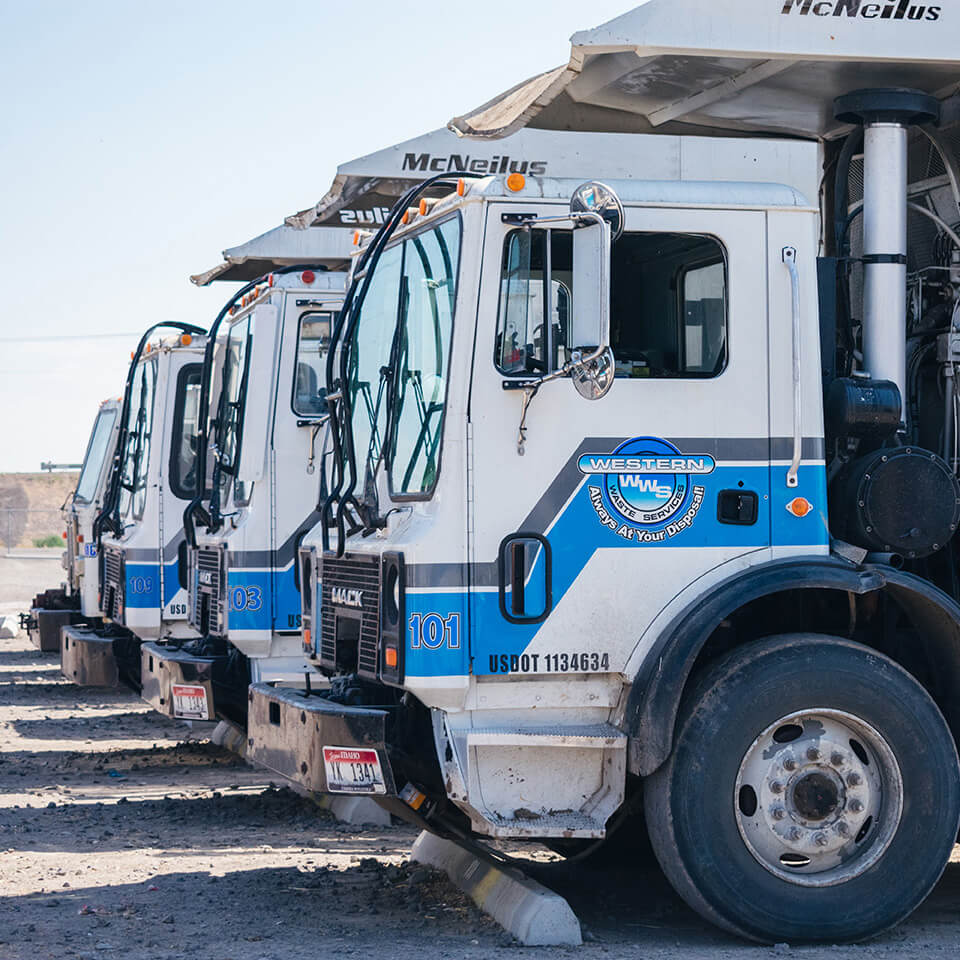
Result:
615,506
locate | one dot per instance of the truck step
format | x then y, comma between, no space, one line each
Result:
600,735
560,823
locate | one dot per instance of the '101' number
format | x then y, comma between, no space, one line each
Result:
433,631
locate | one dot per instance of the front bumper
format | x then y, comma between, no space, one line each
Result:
164,668
43,627
287,731
87,658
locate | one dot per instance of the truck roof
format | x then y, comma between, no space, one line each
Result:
364,189
281,247
750,67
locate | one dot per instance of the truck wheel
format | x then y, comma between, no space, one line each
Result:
813,792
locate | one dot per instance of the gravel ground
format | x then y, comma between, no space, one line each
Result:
123,834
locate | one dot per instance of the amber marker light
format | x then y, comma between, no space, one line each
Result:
186,339
461,187
800,507
390,657
516,182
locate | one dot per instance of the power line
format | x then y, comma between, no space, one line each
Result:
72,336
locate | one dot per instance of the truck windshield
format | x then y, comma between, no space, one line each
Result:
411,295
428,290
230,409
136,453
96,453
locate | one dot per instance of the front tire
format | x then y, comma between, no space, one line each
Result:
813,792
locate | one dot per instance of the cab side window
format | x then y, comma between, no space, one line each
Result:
313,342
668,304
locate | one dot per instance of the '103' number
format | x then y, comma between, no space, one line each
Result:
246,598
433,631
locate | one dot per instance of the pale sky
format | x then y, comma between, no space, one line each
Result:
138,141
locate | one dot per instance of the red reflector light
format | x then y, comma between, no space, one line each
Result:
308,276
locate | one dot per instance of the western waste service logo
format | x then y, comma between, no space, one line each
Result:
646,490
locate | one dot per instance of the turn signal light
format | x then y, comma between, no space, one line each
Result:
390,657
800,507
516,182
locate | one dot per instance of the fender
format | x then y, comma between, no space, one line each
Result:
657,689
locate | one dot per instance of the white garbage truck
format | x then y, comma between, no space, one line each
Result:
136,536
264,429
656,516
77,599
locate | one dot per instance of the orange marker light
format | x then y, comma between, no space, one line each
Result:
356,238
461,187
307,644
423,207
405,219
79,538
516,182
799,507
64,534
186,339
390,657
271,280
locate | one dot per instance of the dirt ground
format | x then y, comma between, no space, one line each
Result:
123,834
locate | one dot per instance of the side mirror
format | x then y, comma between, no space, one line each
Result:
598,217
256,401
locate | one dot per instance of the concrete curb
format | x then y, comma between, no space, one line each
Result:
536,916
356,810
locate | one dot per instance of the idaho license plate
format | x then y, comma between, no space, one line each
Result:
190,702
353,770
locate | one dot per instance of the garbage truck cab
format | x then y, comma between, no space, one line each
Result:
137,530
657,516
77,599
267,442
83,507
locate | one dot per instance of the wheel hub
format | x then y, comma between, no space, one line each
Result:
818,797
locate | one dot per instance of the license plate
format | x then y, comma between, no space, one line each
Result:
351,770
190,702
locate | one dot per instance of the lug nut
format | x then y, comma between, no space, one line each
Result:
813,754
821,840
778,813
836,759
794,834
776,786
854,779
856,806
843,829
789,764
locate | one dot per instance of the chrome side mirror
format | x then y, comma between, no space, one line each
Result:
593,377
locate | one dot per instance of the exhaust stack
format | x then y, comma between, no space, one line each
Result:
886,116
